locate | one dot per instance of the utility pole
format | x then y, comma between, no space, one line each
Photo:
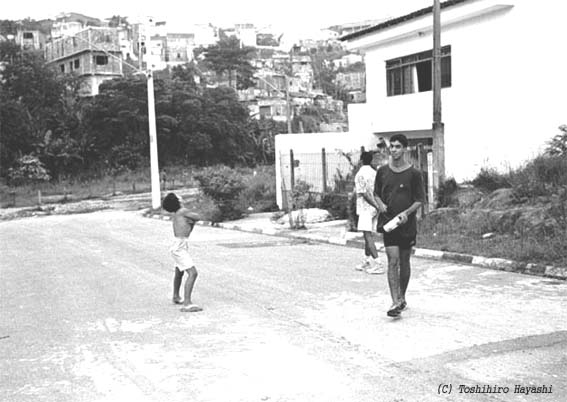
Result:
154,164
288,104
288,101
438,126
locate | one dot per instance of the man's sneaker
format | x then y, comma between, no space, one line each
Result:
363,266
394,311
403,305
375,268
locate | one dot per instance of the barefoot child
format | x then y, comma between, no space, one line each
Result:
183,222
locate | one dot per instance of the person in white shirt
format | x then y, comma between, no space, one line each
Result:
367,209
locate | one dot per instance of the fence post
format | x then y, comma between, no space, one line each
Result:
324,168
38,197
430,194
291,170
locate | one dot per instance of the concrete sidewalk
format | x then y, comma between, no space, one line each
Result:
335,232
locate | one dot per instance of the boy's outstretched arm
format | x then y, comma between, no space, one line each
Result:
192,215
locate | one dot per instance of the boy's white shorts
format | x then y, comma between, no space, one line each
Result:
180,253
367,221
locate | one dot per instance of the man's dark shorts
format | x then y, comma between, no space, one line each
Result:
395,239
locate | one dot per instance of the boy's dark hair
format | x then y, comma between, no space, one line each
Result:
402,139
171,203
366,158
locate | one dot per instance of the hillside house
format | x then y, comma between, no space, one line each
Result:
93,54
503,80
30,39
68,24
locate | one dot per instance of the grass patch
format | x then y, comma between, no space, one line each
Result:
77,189
463,234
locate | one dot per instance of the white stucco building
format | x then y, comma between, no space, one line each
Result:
504,68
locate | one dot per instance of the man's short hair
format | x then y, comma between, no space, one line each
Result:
366,158
402,139
171,203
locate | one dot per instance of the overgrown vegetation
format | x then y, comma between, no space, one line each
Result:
224,186
490,179
446,192
42,116
530,224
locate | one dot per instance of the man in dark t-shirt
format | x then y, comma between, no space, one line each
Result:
399,192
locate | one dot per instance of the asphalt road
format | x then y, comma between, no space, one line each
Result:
86,316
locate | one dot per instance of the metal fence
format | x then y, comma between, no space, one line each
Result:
334,171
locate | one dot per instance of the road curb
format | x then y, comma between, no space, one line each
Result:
499,264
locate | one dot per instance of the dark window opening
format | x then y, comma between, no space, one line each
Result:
101,60
77,63
28,35
70,66
414,73
62,67
265,111
424,76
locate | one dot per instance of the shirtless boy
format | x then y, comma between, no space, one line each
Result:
183,223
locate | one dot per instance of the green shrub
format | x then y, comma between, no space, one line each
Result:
489,180
224,185
540,177
301,197
336,204
27,170
557,146
446,192
260,191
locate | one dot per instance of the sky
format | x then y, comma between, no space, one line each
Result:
297,16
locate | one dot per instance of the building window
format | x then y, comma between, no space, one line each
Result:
77,63
414,73
70,66
62,67
265,111
28,35
101,60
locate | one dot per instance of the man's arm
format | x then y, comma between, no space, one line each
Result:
413,207
419,195
374,200
380,205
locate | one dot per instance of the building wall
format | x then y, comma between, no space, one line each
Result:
179,48
101,39
504,101
30,39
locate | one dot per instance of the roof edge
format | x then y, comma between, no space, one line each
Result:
399,20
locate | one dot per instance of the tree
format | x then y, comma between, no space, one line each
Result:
116,124
117,21
557,146
262,134
32,104
228,56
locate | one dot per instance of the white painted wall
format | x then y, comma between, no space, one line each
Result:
509,82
